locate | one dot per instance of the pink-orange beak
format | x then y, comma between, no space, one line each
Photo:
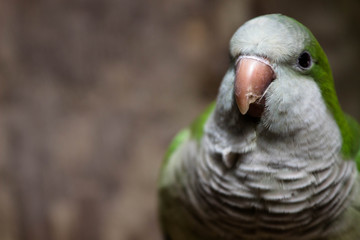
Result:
253,76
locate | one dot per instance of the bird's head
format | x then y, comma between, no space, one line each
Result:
280,76
278,72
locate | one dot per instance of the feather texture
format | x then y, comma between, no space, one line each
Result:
288,175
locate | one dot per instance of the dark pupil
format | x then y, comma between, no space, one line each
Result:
304,60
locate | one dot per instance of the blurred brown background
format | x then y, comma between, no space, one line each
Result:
91,93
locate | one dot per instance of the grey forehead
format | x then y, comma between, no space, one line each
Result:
275,36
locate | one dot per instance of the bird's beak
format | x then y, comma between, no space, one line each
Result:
253,76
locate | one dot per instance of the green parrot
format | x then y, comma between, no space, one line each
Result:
274,157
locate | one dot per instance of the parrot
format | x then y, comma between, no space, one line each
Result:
274,156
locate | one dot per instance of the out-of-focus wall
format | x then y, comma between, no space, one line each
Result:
91,93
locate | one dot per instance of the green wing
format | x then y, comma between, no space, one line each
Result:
197,127
168,204
195,131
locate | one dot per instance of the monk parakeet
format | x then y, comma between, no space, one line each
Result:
274,157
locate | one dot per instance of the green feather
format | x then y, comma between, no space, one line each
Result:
195,131
357,159
197,127
321,72
181,137
355,147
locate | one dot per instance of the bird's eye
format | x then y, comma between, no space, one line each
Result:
304,61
